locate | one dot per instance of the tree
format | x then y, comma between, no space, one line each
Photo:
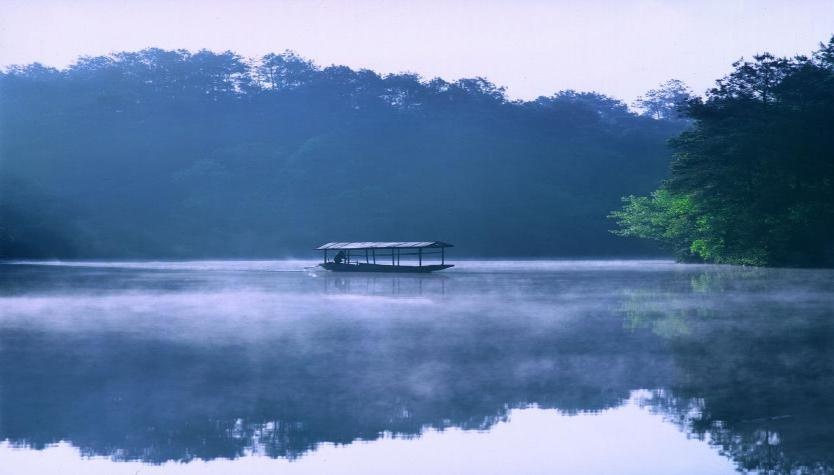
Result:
662,216
758,166
284,71
665,102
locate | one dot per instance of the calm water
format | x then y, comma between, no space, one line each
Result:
492,367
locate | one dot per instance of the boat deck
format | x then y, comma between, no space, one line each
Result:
360,267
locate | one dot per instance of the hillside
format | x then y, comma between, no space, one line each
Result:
177,154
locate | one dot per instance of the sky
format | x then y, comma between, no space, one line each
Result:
533,47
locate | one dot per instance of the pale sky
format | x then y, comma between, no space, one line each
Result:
533,47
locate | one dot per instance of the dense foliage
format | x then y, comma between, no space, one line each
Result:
177,154
753,180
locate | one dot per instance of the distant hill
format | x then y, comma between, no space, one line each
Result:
177,154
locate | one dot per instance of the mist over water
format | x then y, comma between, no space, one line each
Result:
237,365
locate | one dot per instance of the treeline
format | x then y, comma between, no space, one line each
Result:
177,154
753,180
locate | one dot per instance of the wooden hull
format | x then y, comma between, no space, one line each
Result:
382,268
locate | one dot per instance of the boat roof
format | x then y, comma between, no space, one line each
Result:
384,245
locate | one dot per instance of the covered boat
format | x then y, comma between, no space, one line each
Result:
384,256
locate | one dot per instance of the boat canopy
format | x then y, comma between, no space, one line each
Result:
384,245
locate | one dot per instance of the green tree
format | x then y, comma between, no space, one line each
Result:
757,166
662,216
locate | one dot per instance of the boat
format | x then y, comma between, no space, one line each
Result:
374,256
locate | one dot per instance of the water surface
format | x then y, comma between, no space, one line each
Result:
490,367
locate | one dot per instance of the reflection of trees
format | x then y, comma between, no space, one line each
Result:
353,368
767,394
741,358
667,308
158,401
756,365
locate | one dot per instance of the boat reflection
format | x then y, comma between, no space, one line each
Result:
405,285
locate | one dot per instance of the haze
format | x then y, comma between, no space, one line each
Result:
531,47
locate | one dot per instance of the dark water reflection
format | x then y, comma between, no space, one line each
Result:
160,362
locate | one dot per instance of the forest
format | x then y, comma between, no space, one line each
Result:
752,180
178,154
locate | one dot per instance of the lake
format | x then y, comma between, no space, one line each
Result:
491,367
